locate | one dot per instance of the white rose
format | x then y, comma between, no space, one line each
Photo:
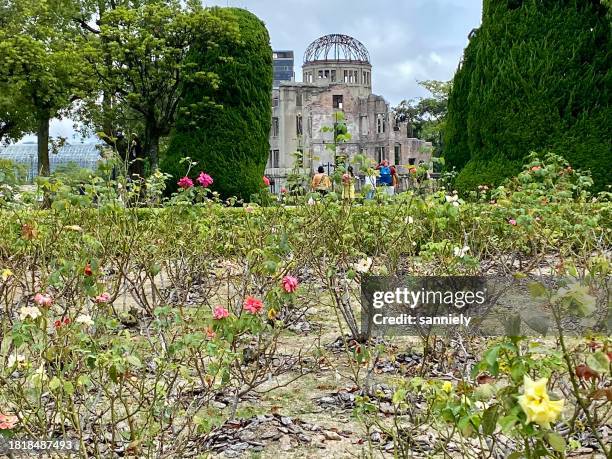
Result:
29,311
85,319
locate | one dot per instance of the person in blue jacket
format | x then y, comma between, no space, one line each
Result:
385,174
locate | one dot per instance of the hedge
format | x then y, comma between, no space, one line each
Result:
228,139
535,77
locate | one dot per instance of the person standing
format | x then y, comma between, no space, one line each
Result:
370,181
321,182
348,184
385,173
394,179
385,177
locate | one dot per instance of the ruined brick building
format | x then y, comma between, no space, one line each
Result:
337,77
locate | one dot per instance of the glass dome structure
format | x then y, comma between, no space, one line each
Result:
336,47
85,156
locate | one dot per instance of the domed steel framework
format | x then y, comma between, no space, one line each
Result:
336,47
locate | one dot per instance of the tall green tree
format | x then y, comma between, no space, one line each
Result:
427,115
15,120
41,68
139,58
535,76
228,139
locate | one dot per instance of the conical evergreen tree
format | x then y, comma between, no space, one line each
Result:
535,76
228,138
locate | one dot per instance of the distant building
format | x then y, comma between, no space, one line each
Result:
283,67
86,156
337,77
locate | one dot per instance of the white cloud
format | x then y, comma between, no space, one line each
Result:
435,58
408,40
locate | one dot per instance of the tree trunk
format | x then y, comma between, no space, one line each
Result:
42,132
152,145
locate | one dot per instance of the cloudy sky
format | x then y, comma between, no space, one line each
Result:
408,40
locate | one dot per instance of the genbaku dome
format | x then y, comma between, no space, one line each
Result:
337,77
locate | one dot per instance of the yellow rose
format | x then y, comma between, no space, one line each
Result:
6,273
537,405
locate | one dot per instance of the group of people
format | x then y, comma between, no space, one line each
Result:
383,175
388,177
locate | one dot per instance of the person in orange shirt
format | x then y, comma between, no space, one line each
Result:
321,182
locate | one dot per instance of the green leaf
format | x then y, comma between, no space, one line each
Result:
556,441
399,396
55,383
599,362
507,422
270,266
489,420
491,359
134,361
68,388
536,289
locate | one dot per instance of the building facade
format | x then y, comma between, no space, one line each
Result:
86,156
337,77
283,67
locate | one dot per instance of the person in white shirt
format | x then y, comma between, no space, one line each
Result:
370,179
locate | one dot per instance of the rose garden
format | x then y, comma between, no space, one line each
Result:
190,312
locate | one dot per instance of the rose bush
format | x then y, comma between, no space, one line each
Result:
125,326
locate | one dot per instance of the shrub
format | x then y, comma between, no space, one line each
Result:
12,173
487,172
535,76
230,140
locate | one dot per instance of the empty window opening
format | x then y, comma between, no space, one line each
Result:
380,154
337,101
275,160
275,127
298,125
381,123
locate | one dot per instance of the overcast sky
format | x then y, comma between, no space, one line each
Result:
408,40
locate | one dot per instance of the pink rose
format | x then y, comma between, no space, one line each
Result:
266,180
185,183
536,168
220,313
43,300
103,298
512,221
253,305
7,421
205,180
283,190
290,284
